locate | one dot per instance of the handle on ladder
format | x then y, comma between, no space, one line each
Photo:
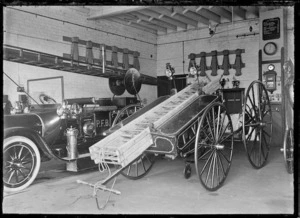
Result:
99,186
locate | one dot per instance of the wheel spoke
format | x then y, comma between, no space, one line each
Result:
217,169
217,134
263,153
221,164
226,137
22,173
207,176
128,171
222,123
206,162
224,156
253,97
20,152
266,133
203,155
259,148
213,169
250,134
210,129
16,175
253,143
10,176
143,166
207,137
213,122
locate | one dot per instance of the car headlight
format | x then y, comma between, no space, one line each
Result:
75,110
62,110
89,128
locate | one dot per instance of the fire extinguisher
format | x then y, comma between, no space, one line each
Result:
71,134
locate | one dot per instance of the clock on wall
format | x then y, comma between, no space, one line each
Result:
270,48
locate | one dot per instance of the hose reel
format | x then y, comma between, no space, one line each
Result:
132,83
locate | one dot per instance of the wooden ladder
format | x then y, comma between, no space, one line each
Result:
130,141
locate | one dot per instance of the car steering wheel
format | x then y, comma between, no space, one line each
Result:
46,99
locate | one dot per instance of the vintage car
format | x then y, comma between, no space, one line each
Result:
48,131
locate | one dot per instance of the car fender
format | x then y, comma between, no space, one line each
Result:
43,147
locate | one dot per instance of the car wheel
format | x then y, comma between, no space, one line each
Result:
21,163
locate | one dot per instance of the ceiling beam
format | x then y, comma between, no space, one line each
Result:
140,15
221,11
173,21
187,18
147,29
251,9
162,10
189,14
155,20
108,11
150,25
237,10
164,24
182,18
163,18
207,13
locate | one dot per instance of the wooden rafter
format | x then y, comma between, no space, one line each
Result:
237,11
163,18
190,14
168,18
221,11
109,11
252,9
210,15
135,25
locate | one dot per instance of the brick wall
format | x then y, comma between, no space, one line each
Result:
45,33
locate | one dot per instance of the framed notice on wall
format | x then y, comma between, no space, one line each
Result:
271,28
51,86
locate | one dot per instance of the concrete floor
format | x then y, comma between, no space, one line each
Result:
164,190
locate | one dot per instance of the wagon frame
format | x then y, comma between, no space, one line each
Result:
208,135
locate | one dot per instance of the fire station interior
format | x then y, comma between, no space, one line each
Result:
149,109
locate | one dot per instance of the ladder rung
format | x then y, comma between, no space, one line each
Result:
168,107
133,132
127,136
161,113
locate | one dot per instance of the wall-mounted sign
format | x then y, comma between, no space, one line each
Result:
271,28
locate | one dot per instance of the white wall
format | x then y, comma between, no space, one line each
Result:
175,48
45,34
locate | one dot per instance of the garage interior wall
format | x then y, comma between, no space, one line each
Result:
45,34
41,33
175,48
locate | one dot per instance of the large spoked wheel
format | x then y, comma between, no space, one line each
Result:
140,167
143,164
214,146
21,163
126,112
288,150
257,124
